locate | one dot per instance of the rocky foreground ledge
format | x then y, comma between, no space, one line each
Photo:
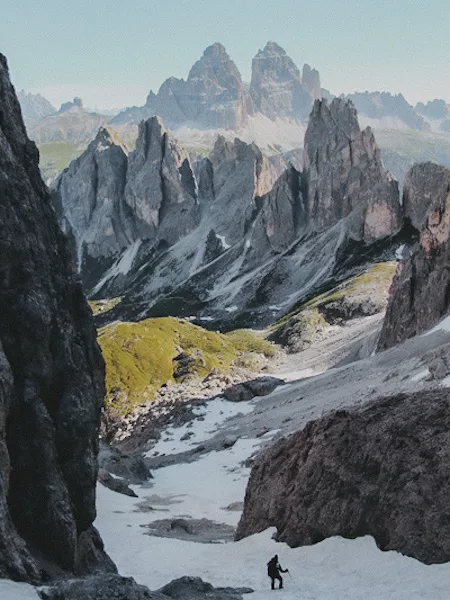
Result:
381,470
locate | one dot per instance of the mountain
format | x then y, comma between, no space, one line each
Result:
213,96
34,106
238,237
51,378
276,87
387,111
71,123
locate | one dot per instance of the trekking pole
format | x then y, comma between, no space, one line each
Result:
289,573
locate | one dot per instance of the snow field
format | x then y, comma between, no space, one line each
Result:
335,569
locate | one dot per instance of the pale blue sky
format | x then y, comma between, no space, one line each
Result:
112,52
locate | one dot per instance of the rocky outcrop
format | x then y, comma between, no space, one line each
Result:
434,109
51,376
384,107
262,386
125,588
381,470
344,177
72,123
160,188
110,202
237,232
213,96
89,196
419,293
276,86
34,106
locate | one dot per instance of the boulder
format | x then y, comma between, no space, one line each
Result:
194,588
104,587
115,484
380,470
262,386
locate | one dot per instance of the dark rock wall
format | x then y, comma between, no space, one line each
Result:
420,293
383,470
51,376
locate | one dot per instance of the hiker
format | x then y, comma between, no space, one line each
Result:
273,571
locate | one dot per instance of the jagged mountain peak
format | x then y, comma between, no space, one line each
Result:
216,49
76,103
271,49
107,137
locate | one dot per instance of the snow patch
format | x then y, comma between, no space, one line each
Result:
120,267
421,375
223,241
10,590
213,416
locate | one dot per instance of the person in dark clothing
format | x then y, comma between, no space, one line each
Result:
273,571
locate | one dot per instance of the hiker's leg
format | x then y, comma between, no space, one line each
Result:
273,583
281,581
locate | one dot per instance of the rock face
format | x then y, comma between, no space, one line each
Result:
110,202
382,470
344,175
276,87
212,97
51,375
235,237
419,293
160,189
90,198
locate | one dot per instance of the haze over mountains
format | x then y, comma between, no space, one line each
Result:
271,110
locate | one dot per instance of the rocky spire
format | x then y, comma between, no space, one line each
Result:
51,375
344,176
161,190
90,202
212,97
276,86
311,80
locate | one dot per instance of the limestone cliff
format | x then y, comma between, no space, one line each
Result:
51,376
276,87
419,295
344,177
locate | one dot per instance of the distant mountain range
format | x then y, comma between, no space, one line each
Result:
272,111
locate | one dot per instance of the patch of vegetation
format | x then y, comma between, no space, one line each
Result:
100,307
140,356
56,156
247,341
359,296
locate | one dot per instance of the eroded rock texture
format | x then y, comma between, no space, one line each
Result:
213,96
420,291
51,375
381,470
276,87
344,175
